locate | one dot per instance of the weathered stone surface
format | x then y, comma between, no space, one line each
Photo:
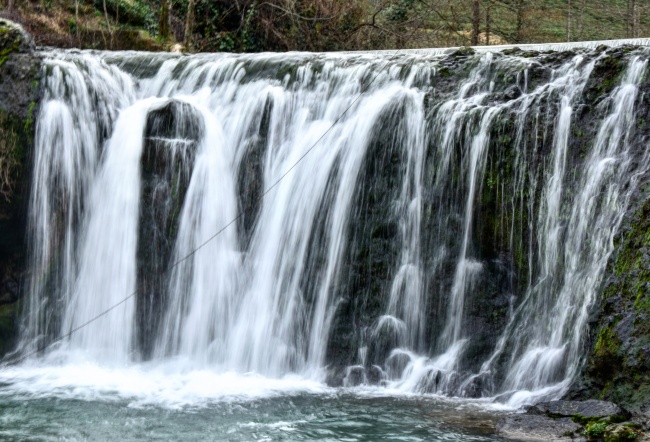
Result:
19,98
590,409
14,38
172,135
532,427
175,120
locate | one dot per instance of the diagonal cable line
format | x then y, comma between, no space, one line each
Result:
220,231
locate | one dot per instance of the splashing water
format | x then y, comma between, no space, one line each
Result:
140,159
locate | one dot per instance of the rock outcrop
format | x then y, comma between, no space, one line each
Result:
532,427
582,410
19,97
571,421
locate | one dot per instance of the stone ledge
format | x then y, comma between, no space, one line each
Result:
534,427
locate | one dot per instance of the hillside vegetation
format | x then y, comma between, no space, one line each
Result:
316,25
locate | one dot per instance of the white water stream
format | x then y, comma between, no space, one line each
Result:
256,315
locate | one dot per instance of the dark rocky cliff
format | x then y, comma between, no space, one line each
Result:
617,363
19,84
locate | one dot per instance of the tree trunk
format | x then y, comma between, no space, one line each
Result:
164,25
487,23
629,19
637,19
77,24
476,22
108,23
189,24
633,18
568,21
581,21
10,5
519,31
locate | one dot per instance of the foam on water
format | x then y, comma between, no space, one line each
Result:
170,385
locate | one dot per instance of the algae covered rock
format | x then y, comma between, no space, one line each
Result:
621,432
13,38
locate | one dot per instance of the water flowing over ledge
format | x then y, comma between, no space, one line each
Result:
541,47
445,229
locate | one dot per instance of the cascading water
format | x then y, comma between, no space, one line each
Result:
329,216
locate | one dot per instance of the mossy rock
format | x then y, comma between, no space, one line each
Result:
619,358
622,432
13,38
463,51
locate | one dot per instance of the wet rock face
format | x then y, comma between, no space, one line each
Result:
19,102
172,135
176,120
618,362
250,178
530,427
617,365
371,256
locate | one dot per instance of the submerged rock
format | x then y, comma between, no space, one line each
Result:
532,427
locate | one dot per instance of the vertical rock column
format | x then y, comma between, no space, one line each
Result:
172,134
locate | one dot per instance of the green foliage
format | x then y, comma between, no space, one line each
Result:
398,12
212,32
608,343
28,126
137,14
72,26
324,25
595,430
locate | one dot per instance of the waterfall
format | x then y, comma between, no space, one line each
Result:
422,222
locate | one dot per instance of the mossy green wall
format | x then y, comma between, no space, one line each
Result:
618,365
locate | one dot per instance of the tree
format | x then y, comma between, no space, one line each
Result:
633,18
476,21
520,10
189,23
568,21
164,24
581,20
487,22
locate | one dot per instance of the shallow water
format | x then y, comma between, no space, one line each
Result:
80,401
336,417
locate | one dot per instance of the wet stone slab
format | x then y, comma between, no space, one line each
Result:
535,427
590,409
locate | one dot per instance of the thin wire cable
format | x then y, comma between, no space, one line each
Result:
220,231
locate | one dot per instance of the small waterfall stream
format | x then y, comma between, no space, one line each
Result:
422,222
